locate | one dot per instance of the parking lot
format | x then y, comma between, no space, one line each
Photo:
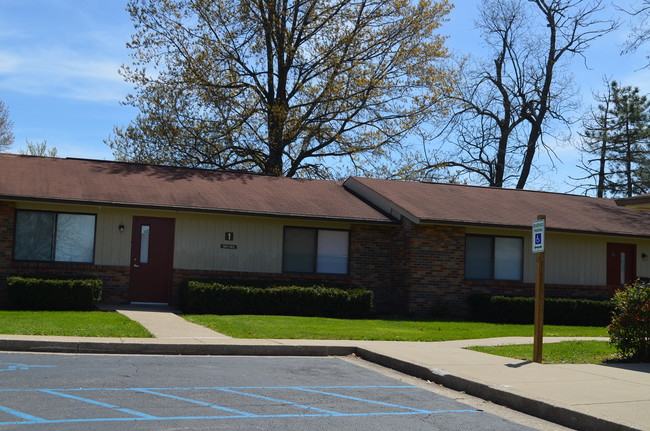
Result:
52,391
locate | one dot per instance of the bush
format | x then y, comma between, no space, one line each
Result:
629,331
45,293
218,298
557,311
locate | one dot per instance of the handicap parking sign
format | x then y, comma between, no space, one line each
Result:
538,236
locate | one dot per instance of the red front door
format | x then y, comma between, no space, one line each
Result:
152,258
621,263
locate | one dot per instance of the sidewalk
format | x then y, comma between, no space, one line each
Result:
583,397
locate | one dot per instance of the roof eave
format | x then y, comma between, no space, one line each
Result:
529,228
200,209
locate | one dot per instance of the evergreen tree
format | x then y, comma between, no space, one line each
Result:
631,141
616,143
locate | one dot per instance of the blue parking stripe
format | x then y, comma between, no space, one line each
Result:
277,400
98,403
361,399
189,400
32,419
311,412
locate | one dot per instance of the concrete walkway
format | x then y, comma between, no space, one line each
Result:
583,397
163,322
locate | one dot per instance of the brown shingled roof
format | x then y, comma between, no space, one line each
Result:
634,200
450,203
113,183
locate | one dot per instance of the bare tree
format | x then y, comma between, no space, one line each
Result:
6,128
639,27
38,149
508,104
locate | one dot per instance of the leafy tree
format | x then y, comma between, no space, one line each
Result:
281,87
509,101
6,128
38,149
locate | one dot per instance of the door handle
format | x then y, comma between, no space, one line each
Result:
135,265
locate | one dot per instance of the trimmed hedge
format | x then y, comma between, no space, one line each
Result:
53,293
199,297
557,311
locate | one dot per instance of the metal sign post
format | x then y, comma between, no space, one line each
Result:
538,248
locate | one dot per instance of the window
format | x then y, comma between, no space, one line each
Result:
54,237
315,250
493,257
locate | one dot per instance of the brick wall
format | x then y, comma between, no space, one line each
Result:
7,211
432,268
374,265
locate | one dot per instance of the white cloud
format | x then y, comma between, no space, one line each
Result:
62,73
59,49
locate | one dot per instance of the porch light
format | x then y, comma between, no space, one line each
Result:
121,228
644,256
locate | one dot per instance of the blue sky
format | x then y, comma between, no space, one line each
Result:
59,62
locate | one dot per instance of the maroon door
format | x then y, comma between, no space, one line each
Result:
152,258
621,263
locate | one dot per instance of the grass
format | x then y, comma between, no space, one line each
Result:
70,323
567,352
316,328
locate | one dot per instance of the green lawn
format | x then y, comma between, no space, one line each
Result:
289,327
568,352
70,323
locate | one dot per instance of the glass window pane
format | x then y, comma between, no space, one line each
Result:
144,243
299,249
332,252
34,235
508,254
478,257
623,277
75,238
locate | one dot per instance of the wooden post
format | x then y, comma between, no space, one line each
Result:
539,304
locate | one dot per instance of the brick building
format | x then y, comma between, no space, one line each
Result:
419,246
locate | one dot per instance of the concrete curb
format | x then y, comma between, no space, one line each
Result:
560,415
172,349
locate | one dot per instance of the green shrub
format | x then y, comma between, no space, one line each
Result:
557,311
217,298
43,293
629,331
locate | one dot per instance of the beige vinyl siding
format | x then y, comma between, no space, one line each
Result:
198,237
258,242
572,258
575,259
